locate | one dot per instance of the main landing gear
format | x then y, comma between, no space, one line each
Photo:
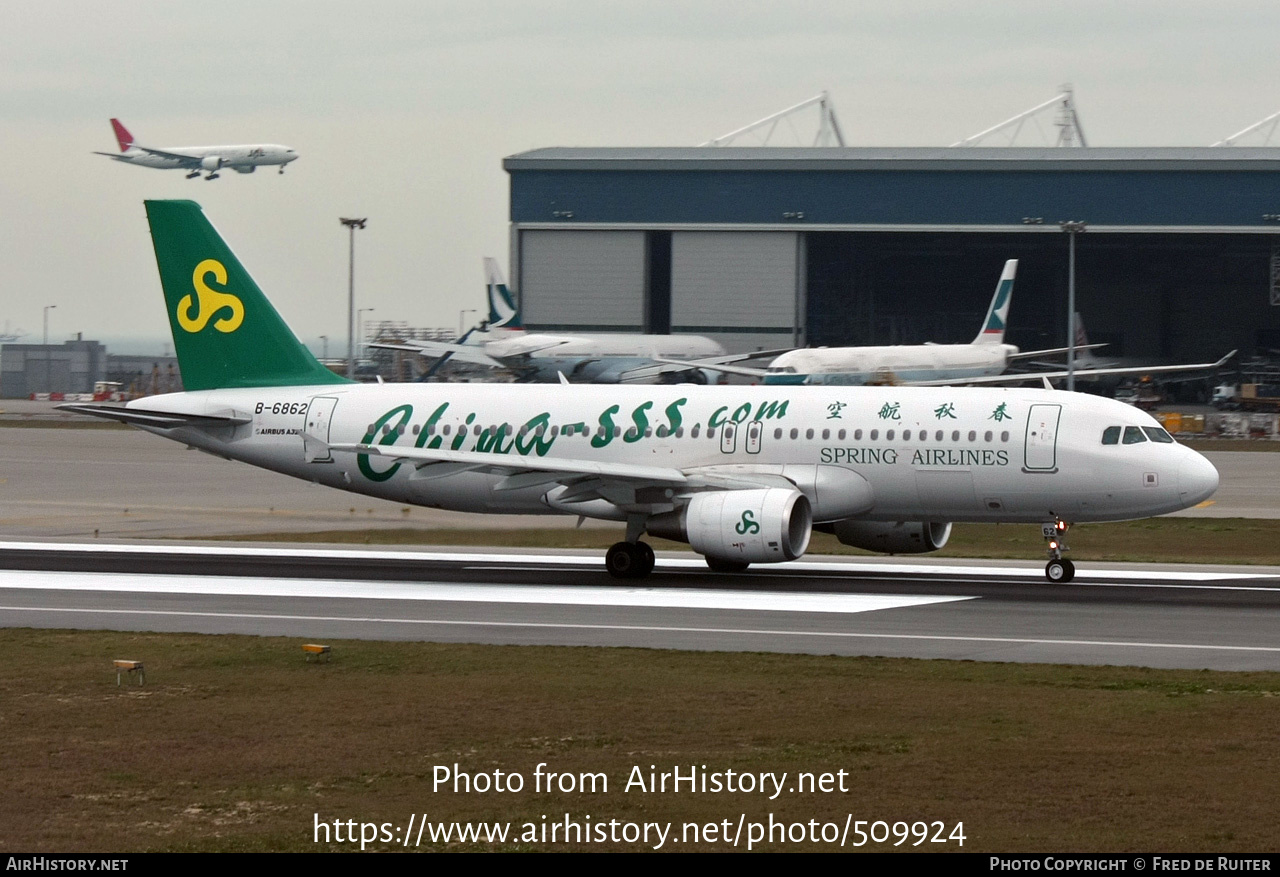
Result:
629,560
193,175
1059,570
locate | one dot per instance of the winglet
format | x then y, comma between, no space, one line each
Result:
123,137
998,313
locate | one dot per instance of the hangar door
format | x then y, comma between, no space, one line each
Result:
582,280
742,283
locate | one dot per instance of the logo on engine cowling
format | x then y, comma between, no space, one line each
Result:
747,525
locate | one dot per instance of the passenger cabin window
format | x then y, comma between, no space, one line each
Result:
1133,435
1111,435
1156,434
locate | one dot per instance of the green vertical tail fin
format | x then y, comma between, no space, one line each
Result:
225,332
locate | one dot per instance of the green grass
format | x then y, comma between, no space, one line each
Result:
237,744
1155,540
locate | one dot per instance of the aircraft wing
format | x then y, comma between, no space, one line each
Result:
586,479
464,352
716,365
185,160
158,419
663,366
1083,373
515,463
1056,351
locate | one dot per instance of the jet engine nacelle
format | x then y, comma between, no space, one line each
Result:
900,537
211,162
767,525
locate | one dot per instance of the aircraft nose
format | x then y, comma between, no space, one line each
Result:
1197,479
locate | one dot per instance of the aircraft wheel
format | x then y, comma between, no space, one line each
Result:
625,561
1060,571
719,564
647,559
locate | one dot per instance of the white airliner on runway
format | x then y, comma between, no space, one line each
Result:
599,358
243,159
743,474
984,360
987,354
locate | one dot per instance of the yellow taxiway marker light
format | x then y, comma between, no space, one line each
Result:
315,650
130,668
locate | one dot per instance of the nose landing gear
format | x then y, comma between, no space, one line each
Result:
1059,570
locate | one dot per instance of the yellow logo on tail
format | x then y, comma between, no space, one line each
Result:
210,301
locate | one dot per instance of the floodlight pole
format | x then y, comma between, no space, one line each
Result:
360,312
1072,227
352,225
325,339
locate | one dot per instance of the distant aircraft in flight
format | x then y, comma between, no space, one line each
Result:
195,160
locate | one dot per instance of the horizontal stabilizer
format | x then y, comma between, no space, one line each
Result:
156,419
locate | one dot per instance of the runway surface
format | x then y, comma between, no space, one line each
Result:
1219,618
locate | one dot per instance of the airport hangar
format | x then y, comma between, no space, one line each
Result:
776,247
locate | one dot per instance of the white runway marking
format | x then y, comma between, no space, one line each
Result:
834,565
646,628
667,598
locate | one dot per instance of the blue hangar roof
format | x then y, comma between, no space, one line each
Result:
1143,189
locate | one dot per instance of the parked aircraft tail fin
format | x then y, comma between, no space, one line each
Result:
123,137
225,332
998,313
503,313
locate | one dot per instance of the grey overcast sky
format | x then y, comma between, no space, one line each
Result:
403,111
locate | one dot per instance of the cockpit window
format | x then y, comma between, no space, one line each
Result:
1156,434
1111,435
1133,435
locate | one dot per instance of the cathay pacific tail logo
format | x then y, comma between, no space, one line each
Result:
502,310
210,301
999,307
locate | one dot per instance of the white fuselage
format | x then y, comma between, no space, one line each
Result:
852,366
240,156
934,453
504,344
